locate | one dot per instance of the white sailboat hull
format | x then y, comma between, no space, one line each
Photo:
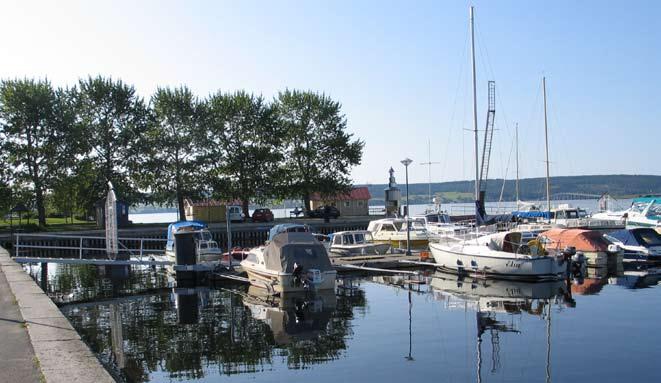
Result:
479,260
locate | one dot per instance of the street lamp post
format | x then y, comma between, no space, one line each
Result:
406,162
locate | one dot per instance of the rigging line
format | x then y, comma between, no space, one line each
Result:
454,105
484,52
509,158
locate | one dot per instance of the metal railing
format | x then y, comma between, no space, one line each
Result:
77,243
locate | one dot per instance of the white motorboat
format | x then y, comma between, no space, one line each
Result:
207,251
289,262
392,231
439,227
357,242
644,212
497,255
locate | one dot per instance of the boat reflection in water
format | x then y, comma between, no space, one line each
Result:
490,298
197,333
293,316
637,276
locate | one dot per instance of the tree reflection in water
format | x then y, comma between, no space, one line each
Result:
195,333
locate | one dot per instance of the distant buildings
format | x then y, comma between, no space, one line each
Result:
356,202
212,210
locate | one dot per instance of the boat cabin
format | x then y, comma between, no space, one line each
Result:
344,238
288,228
204,242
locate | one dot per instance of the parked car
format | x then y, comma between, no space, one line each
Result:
320,212
262,215
235,213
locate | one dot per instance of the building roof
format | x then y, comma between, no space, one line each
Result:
359,193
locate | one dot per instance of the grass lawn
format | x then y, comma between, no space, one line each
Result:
53,224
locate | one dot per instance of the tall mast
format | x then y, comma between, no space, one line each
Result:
517,165
429,163
546,137
477,181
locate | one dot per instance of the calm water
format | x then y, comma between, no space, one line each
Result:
604,330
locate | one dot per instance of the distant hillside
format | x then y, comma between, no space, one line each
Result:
532,189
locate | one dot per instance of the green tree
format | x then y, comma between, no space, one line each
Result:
34,122
244,144
319,152
171,170
114,120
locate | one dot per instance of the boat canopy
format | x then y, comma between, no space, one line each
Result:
582,240
532,214
507,241
645,237
288,228
182,226
300,248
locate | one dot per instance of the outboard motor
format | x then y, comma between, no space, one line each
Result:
298,275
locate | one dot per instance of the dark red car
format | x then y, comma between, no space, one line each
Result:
262,215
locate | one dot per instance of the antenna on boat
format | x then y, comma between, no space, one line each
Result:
546,139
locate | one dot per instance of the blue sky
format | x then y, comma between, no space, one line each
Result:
400,69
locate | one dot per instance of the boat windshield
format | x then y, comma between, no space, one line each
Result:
432,218
655,210
650,237
204,235
398,225
359,237
347,239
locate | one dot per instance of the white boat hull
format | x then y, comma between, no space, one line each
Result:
496,264
284,282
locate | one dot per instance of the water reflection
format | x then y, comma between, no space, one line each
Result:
193,333
489,298
411,327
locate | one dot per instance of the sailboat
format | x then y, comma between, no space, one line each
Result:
496,255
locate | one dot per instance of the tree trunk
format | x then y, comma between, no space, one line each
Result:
246,211
41,210
306,202
180,205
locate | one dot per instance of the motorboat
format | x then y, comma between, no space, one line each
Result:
289,262
292,316
356,242
207,251
440,227
597,250
639,244
644,212
393,231
499,255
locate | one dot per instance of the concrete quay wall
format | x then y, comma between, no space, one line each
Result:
59,351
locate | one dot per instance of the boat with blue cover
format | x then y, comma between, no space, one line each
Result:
207,251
